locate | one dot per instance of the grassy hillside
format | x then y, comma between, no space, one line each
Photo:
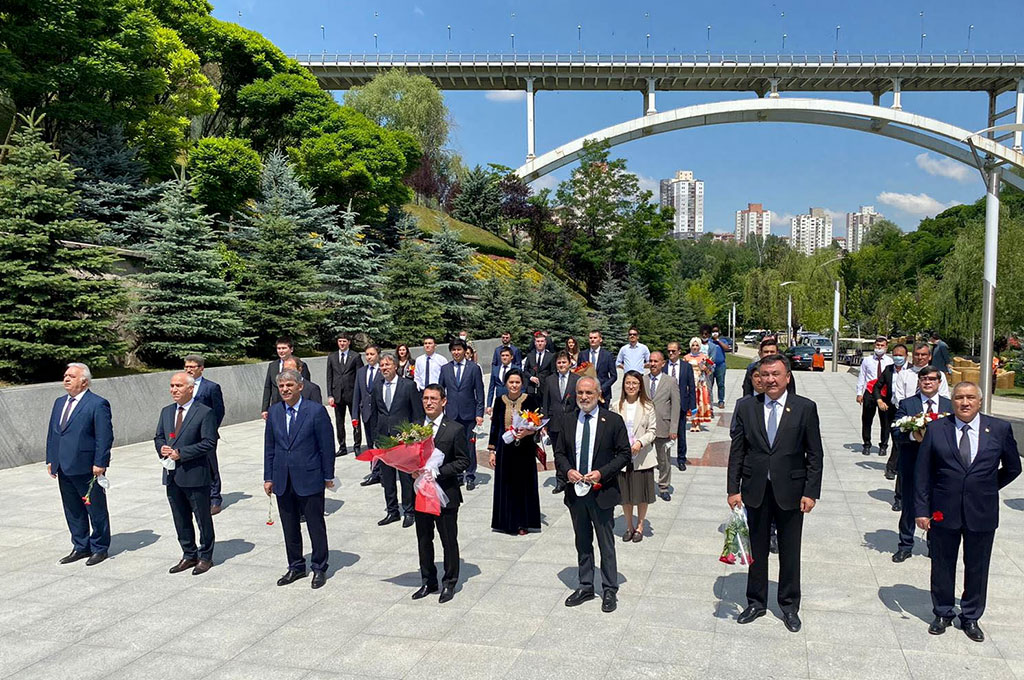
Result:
482,241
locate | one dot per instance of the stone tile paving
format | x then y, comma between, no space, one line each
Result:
863,615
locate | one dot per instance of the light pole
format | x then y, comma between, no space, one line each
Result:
648,41
835,313
374,42
579,38
789,313
449,37
923,36
835,52
709,42
784,36
970,29
513,36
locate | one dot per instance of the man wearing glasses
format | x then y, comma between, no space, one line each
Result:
634,356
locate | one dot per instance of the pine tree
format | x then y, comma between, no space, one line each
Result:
185,303
413,294
353,281
56,305
509,304
454,272
612,315
479,200
679,320
282,195
560,311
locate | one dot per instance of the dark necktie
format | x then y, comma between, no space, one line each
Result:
965,446
654,385
561,385
501,375
458,374
773,424
289,420
673,369
593,357
585,445
67,413
426,380
344,358
369,378
538,361
928,406
178,419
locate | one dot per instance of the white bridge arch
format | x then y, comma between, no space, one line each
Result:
928,133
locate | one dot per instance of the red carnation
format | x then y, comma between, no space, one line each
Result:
937,516
172,435
933,416
355,423
86,499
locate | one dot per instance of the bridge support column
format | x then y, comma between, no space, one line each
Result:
988,293
1019,116
649,106
896,91
775,88
531,139
876,98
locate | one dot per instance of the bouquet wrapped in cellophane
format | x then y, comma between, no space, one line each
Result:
410,450
737,539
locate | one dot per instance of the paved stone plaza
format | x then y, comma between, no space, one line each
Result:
128,618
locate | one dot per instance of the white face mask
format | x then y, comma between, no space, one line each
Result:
879,352
715,334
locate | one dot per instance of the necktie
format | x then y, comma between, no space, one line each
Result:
593,357
387,395
501,375
178,419
67,413
344,358
965,446
585,445
458,373
654,385
538,360
561,385
369,378
773,423
673,369
928,406
289,420
427,376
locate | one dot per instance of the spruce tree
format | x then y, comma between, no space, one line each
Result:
560,311
479,200
282,195
412,294
509,304
454,272
185,303
56,302
612,315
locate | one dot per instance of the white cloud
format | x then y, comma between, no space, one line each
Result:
780,222
418,10
505,95
650,184
920,205
943,167
545,182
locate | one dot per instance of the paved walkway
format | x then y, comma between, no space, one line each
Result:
128,618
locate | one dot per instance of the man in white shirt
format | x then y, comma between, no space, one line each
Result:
428,364
906,385
871,370
634,356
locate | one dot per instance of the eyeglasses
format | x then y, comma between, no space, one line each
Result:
929,379
673,351
633,335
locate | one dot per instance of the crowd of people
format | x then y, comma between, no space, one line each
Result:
610,454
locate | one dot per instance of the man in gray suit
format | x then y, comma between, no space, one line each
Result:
664,392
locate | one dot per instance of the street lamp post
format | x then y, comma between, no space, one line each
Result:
579,38
835,53
789,313
970,29
709,41
513,36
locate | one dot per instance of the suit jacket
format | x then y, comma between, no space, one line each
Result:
310,391
940,356
517,357
362,398
552,403
794,461
85,441
465,398
194,442
451,439
304,455
666,403
341,379
610,455
748,383
542,370
607,374
966,496
911,406
644,431
495,386
270,384
210,394
885,381
406,407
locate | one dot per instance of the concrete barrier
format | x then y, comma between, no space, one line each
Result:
136,400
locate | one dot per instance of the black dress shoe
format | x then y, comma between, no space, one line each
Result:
182,566
95,559
559,488
608,602
973,630
423,592
73,556
388,520
319,579
901,556
370,481
890,475
750,613
866,450
665,496
579,597
291,577
447,593
883,450
792,621
773,545
470,484
940,624
342,451
897,506
681,465
408,521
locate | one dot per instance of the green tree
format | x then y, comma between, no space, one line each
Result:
282,195
509,304
56,302
281,111
225,174
454,272
613,318
399,101
560,311
412,293
479,201
185,305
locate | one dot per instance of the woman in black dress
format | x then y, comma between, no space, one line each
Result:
516,507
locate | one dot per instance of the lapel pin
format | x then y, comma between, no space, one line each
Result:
986,429
602,420
787,409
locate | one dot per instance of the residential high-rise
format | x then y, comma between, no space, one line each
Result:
754,221
686,195
810,232
857,226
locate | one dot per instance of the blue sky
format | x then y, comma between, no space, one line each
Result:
787,167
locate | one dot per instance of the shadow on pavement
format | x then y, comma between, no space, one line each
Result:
132,540
337,560
234,547
910,601
234,497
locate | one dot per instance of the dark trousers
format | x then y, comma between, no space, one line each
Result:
340,407
588,519
892,463
215,496
718,377
681,438
79,515
905,480
291,506
388,477
867,418
447,524
187,502
470,428
945,546
789,526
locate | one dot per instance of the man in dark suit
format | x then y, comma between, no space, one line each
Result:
496,388
341,385
186,435
209,394
775,472
449,439
884,396
682,373
463,384
558,398
396,401
538,364
963,463
940,354
284,347
927,401
310,390
593,449
363,418
78,443
768,347
603,362
298,464
517,356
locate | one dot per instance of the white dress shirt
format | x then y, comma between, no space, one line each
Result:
384,390
972,434
907,385
780,408
420,374
74,403
871,368
436,423
593,438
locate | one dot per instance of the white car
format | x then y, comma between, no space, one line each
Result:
824,343
754,336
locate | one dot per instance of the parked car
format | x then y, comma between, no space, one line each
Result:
754,337
823,343
800,357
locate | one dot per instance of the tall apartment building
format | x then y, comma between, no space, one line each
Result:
857,226
754,221
810,232
686,195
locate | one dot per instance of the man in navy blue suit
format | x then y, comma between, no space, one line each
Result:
298,464
603,363
396,402
683,373
497,388
463,383
209,394
78,443
963,463
927,400
367,376
517,356
186,436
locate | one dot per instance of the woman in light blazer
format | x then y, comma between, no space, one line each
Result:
637,485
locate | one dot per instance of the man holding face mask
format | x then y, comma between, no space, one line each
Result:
871,370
